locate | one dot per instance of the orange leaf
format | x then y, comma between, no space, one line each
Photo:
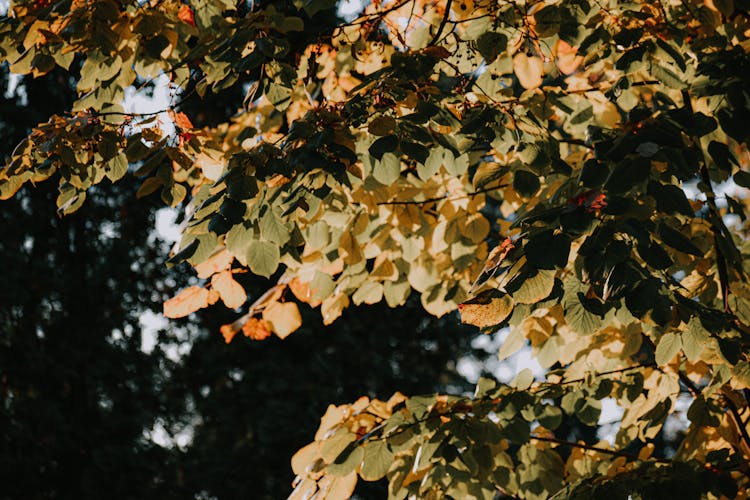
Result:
568,59
228,331
186,15
182,121
231,292
187,301
528,69
217,262
257,329
303,292
284,317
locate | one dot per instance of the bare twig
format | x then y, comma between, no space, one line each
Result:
446,15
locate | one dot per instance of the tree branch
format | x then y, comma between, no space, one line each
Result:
721,262
439,32
442,198
585,446
744,436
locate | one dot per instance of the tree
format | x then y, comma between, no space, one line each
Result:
547,166
77,390
76,312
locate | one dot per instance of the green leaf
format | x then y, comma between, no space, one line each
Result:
523,380
490,44
578,317
334,445
383,145
742,178
377,460
525,183
627,174
722,156
387,170
550,417
535,287
262,257
669,345
547,21
677,240
548,250
117,167
670,199
279,95
703,413
347,461
694,339
272,228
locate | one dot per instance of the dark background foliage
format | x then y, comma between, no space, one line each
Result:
80,396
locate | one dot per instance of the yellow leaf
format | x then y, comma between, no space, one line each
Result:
529,70
333,306
231,292
487,309
284,317
342,487
187,301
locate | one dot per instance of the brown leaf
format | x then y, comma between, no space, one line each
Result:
187,301
487,309
231,292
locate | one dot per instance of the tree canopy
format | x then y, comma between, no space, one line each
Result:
575,171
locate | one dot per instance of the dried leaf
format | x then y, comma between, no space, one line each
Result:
487,309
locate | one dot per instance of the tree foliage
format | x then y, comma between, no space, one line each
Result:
547,166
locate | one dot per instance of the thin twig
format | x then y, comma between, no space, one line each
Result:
736,414
442,198
439,32
599,449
